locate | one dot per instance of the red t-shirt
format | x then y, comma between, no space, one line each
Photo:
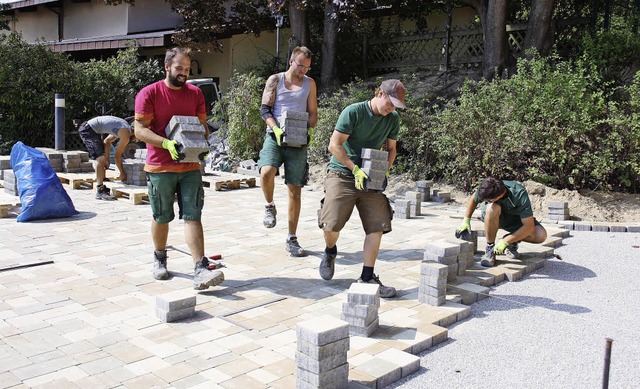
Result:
158,103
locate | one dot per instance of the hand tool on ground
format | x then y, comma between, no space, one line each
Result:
214,262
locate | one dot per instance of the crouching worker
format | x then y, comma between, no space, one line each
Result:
91,133
506,206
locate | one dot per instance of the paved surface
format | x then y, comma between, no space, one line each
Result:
549,330
87,319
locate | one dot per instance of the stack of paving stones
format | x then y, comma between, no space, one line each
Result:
433,283
375,164
440,196
402,209
189,132
294,127
76,162
445,253
5,164
248,167
134,168
174,306
10,182
472,237
361,309
415,198
465,257
55,158
558,210
424,187
321,356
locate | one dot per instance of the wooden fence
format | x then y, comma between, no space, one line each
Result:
453,49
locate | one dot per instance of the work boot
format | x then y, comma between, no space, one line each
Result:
489,256
293,247
327,266
385,291
103,194
203,278
270,216
160,271
512,251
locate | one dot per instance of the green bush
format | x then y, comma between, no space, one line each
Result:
33,74
329,108
550,122
241,105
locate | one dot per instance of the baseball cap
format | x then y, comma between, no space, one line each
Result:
396,92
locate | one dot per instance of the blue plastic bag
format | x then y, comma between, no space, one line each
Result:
41,192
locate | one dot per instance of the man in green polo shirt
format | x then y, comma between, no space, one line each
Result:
507,206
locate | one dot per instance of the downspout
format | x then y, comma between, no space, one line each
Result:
60,14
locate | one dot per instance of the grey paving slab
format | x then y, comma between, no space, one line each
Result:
91,313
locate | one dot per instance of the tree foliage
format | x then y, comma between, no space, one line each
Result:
31,75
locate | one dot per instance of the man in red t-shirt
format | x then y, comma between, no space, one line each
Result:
155,105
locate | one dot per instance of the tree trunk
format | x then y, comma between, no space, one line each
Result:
495,39
329,48
539,30
299,26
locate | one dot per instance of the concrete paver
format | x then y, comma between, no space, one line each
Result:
88,319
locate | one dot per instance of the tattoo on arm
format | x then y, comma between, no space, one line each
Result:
269,94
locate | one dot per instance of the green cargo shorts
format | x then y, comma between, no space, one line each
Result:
296,168
509,223
163,188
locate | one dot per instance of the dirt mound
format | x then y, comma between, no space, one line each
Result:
595,206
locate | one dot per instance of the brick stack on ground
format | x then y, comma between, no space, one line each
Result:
189,132
10,183
424,187
174,306
55,158
472,237
375,164
415,198
465,257
361,309
446,253
134,168
402,209
248,167
5,164
76,161
558,210
433,283
294,127
321,353
440,196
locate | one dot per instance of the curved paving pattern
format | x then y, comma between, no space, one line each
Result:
88,319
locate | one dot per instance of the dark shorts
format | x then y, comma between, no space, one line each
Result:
92,140
340,198
509,223
296,168
163,188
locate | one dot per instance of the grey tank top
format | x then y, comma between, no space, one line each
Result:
108,124
290,100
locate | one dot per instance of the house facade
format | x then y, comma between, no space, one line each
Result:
87,29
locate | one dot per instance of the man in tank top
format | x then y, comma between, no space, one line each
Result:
291,91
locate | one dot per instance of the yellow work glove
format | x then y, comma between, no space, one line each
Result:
309,136
277,131
171,146
360,176
464,227
501,246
